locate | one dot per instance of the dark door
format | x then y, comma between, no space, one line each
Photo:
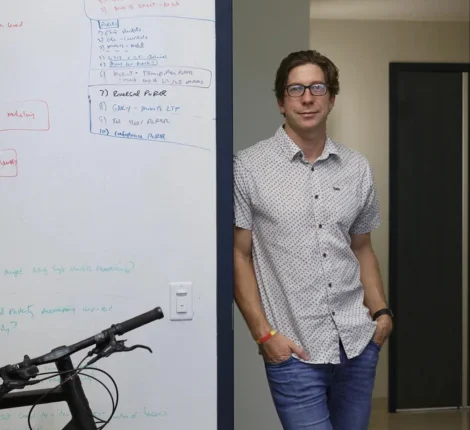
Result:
425,261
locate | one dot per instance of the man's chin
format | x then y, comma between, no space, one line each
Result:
309,125
303,127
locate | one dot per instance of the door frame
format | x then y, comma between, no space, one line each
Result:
394,70
224,180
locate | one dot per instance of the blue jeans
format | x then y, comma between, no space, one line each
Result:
324,396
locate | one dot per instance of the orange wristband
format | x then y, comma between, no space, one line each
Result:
266,337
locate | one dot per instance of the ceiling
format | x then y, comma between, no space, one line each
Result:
408,10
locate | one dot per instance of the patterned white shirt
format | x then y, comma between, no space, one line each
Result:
301,216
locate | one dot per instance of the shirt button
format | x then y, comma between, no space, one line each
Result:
333,313
313,168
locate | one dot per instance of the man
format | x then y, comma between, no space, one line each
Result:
306,277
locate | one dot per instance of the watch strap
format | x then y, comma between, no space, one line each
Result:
381,312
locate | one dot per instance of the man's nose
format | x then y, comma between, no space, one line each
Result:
307,98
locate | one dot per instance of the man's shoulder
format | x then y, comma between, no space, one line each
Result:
257,153
350,155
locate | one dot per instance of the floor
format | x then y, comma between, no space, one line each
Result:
428,420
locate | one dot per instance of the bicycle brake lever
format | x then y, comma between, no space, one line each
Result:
112,347
131,348
118,346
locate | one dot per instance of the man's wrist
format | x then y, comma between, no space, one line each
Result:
261,331
266,337
385,311
384,319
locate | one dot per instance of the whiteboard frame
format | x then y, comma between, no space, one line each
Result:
224,160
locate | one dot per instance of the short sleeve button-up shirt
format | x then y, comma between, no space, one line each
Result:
301,216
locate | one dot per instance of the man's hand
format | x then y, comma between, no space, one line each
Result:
279,348
383,330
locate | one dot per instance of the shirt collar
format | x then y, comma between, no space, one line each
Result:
292,151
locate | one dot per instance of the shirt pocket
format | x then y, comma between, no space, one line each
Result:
343,204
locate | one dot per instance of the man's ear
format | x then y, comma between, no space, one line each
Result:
332,102
280,103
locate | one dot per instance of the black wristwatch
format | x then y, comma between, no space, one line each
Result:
385,311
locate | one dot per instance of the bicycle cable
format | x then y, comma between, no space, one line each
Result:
115,405
75,372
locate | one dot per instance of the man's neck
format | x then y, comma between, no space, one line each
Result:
311,144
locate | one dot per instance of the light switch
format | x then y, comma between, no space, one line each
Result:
181,301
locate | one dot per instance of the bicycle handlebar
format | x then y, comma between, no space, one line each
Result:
63,351
138,321
17,376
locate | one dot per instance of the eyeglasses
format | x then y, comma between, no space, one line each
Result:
298,90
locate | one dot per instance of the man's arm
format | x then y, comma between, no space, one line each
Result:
245,285
278,348
374,296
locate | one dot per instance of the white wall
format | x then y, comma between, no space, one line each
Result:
264,33
363,50
392,10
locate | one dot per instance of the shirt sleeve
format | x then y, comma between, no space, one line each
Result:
241,197
369,215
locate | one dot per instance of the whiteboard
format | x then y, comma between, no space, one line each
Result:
108,189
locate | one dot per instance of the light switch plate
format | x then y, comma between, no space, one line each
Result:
181,301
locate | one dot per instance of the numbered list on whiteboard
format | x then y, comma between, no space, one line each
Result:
151,78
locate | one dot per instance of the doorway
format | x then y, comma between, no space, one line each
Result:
428,254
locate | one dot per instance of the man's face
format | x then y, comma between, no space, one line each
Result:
308,112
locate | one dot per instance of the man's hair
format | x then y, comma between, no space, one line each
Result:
300,58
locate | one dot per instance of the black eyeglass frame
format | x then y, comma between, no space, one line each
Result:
305,87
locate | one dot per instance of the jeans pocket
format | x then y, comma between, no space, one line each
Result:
280,364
